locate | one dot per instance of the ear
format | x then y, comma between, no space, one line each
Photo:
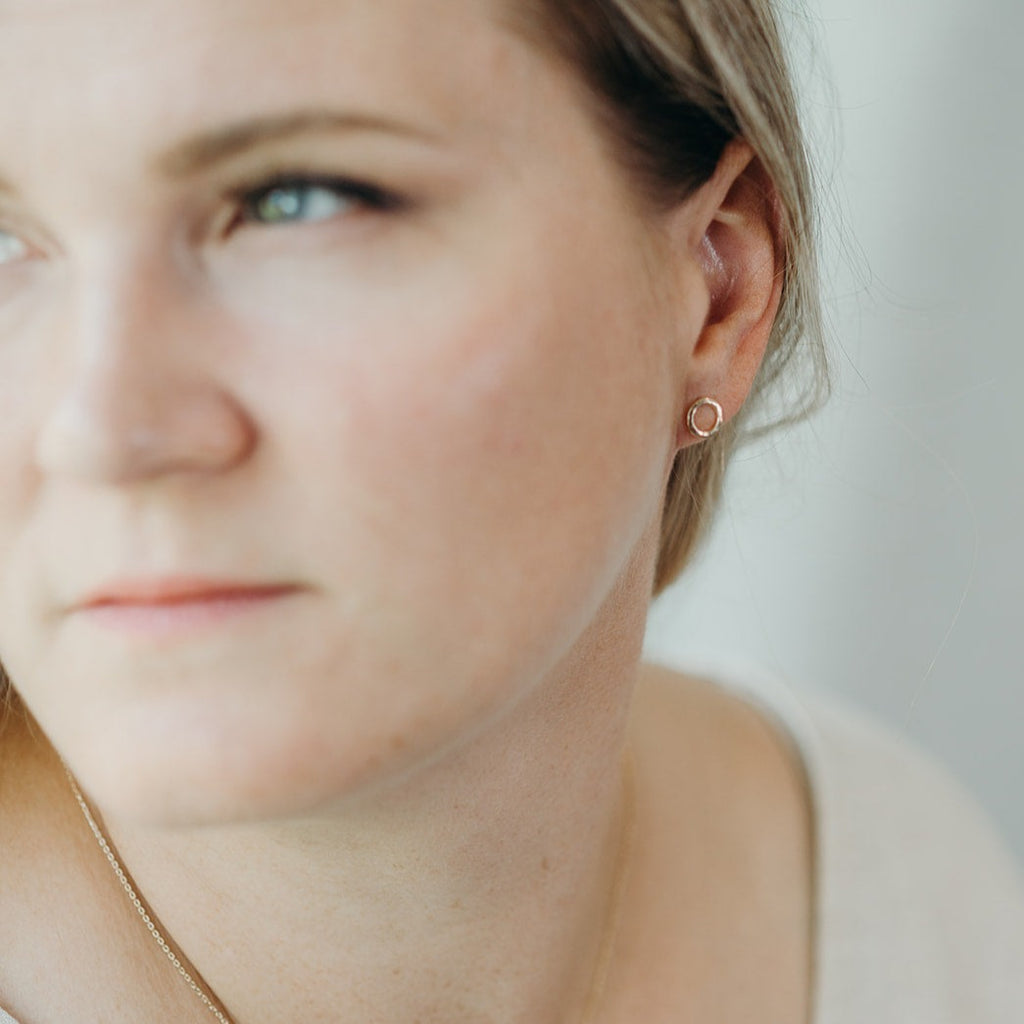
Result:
733,233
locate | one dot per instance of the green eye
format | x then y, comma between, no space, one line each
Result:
12,248
297,202
310,199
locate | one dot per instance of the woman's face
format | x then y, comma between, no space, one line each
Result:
341,300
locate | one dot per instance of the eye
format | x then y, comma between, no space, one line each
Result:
12,248
307,201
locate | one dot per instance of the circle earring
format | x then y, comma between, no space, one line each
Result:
696,409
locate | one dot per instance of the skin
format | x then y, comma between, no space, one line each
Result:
447,423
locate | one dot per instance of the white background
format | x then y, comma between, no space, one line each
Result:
878,550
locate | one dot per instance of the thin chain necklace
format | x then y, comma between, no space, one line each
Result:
602,964
208,999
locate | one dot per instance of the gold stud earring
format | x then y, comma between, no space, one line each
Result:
696,409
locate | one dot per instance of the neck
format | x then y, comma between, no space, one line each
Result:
483,884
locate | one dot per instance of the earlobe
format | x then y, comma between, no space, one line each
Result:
737,242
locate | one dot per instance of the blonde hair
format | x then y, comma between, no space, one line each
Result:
674,82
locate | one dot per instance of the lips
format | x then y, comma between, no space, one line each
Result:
171,608
179,590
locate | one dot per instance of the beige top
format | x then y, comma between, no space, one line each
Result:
920,910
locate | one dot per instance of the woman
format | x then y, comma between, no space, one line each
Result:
366,367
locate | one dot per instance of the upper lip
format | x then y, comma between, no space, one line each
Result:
177,590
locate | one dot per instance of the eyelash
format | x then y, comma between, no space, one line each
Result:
362,195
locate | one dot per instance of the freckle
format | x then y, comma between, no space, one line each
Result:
544,865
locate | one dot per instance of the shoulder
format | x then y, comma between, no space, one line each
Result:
725,767
920,907
722,880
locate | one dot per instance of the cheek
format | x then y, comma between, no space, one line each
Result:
484,455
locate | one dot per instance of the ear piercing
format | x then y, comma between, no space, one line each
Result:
696,409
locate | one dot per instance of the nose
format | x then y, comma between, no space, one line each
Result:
140,396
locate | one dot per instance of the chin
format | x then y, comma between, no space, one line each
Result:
240,736
215,771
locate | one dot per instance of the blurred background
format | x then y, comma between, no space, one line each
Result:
877,551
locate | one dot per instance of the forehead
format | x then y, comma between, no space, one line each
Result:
142,70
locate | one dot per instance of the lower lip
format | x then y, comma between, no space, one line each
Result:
159,619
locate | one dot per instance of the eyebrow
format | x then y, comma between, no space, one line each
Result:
201,152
